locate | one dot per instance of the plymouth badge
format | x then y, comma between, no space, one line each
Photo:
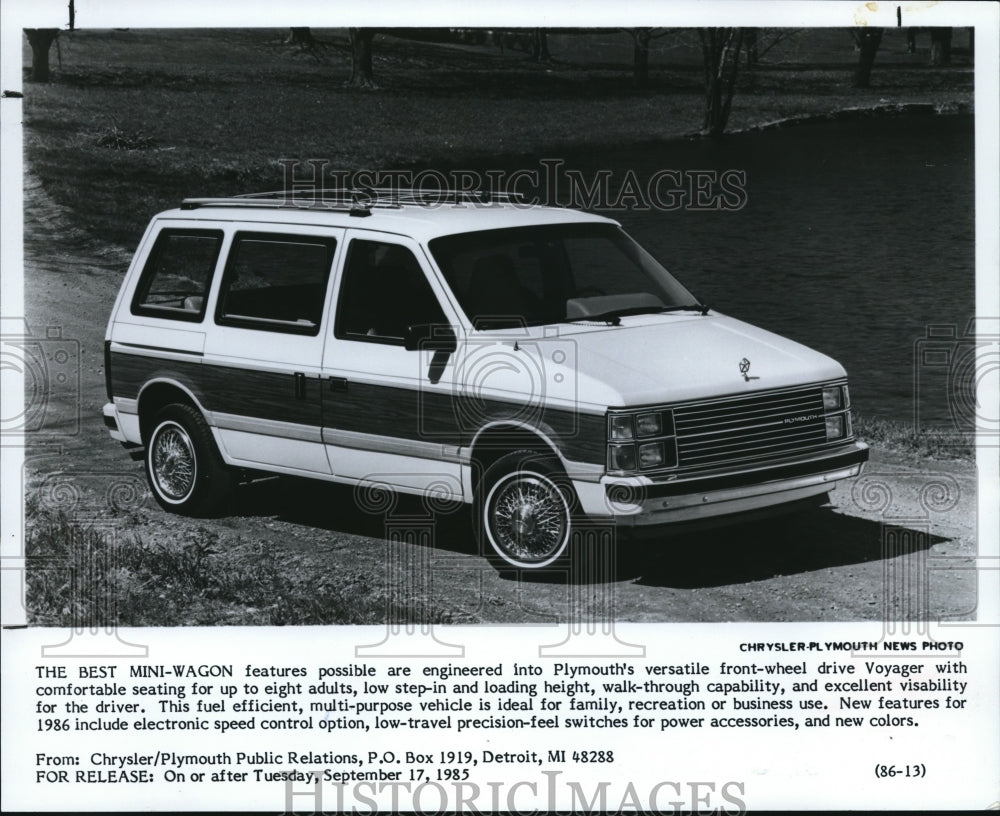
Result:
745,370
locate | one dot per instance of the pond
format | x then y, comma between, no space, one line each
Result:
854,237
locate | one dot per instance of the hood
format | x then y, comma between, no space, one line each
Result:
651,359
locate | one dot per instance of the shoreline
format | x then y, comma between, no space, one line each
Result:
135,121
954,108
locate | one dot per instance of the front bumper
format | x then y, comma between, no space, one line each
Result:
641,501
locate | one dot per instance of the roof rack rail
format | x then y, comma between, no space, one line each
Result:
354,200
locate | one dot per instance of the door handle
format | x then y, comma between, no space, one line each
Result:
300,385
338,383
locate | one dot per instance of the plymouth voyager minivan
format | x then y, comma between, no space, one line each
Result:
534,362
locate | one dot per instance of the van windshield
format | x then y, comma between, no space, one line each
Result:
533,276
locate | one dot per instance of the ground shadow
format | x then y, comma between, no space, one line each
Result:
356,511
806,542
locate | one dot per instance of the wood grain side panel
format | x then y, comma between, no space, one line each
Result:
261,394
454,419
390,411
227,389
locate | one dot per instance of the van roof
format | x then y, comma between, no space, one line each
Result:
422,218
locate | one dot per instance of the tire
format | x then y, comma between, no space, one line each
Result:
524,511
185,471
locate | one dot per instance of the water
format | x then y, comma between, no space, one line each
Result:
856,236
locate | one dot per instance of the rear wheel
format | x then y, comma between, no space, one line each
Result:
183,465
524,508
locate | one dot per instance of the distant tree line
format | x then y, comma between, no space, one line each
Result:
721,50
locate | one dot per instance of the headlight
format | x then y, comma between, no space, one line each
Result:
834,428
833,398
621,457
648,425
651,454
621,427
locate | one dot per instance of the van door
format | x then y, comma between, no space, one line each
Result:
263,356
388,412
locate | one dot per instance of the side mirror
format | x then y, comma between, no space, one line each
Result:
430,336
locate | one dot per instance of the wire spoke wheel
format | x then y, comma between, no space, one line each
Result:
185,470
527,518
174,465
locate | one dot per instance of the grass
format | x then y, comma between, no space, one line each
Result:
85,575
213,112
118,139
902,437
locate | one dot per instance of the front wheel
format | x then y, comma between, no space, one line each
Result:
184,468
525,510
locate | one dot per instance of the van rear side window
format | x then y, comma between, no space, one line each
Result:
175,280
276,282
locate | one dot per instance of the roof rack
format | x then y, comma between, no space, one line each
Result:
358,201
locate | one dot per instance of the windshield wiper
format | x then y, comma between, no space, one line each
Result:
689,307
614,316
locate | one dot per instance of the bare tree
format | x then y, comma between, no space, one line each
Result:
720,49
361,58
867,40
758,41
940,46
753,52
40,40
301,35
540,46
641,39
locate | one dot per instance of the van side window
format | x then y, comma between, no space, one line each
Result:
175,280
276,282
383,291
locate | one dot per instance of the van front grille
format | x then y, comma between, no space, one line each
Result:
758,427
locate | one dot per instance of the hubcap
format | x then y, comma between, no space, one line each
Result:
528,519
173,462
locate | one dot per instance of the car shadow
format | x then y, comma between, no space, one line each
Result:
373,513
806,542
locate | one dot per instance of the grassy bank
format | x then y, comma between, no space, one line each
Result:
136,120
89,575
903,438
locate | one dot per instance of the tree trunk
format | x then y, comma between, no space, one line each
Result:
40,40
751,40
868,41
540,46
361,58
640,56
940,46
72,15
301,35
720,49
